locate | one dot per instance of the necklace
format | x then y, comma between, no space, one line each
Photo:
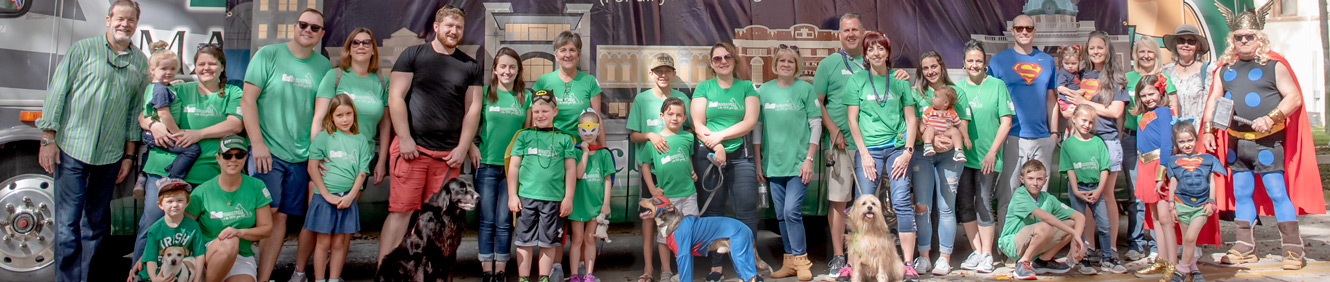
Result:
541,160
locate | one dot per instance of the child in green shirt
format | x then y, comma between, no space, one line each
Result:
1085,159
1038,224
671,174
541,176
347,154
175,244
593,191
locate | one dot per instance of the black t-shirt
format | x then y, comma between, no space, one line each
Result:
436,101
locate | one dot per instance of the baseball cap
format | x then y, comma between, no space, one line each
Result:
661,60
233,142
168,184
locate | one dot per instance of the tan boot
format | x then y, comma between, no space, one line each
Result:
786,268
1244,250
803,267
1291,241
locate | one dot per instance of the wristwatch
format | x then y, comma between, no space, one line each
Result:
128,157
45,141
808,159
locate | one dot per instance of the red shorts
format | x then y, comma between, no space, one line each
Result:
414,180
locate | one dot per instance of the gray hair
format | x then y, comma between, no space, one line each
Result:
566,37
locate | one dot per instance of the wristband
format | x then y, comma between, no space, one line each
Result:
1276,116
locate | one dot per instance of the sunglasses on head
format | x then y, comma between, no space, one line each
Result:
209,45
791,47
362,43
726,57
234,156
1244,37
1023,28
310,26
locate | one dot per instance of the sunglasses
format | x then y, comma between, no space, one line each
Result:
362,43
234,156
1188,41
791,47
450,6
209,45
726,57
118,62
1244,37
310,26
1023,28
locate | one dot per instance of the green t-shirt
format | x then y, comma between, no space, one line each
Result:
573,97
1086,157
985,103
368,93
829,80
725,106
645,118
197,111
590,193
162,241
1132,79
674,168
1020,213
880,123
217,209
499,120
346,157
922,101
287,103
540,175
785,114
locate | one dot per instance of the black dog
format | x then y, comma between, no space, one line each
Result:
428,251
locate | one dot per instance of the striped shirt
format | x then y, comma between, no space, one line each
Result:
93,96
941,120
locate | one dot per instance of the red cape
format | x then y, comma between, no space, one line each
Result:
1301,176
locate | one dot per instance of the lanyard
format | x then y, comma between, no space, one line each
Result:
881,98
846,59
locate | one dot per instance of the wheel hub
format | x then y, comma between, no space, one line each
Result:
27,222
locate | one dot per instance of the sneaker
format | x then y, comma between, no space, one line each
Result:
575,278
835,265
666,276
138,187
500,277
1112,265
942,267
959,156
1195,276
1133,255
1178,277
1092,255
589,278
845,274
971,261
985,264
297,277
556,273
1023,271
1051,266
715,277
910,274
921,265
928,150
523,279
1084,268
544,279
487,276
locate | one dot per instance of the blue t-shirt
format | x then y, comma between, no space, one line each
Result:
1193,177
1028,78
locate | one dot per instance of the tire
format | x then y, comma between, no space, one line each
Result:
32,220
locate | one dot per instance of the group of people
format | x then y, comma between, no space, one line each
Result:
312,135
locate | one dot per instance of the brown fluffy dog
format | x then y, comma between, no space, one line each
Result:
872,248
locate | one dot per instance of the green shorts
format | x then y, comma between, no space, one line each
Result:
1187,213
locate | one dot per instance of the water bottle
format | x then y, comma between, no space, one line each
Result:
762,196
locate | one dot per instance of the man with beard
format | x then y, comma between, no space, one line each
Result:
1029,75
434,101
1268,137
87,117
280,84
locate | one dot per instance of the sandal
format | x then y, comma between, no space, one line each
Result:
646,278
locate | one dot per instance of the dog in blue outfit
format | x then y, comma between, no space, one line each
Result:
690,236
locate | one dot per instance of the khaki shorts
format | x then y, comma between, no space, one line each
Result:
840,177
1023,238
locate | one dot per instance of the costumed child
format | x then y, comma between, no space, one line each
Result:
1154,143
1192,177
594,170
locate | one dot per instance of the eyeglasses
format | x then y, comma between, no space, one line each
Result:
1244,37
791,47
118,62
1188,41
362,43
726,57
310,26
1023,28
234,156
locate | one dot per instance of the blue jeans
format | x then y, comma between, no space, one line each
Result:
740,188
82,214
288,183
1099,210
926,170
496,223
1135,208
787,196
184,158
900,187
151,213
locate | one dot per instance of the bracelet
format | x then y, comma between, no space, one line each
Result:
1276,116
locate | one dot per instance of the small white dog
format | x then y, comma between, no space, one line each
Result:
174,262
